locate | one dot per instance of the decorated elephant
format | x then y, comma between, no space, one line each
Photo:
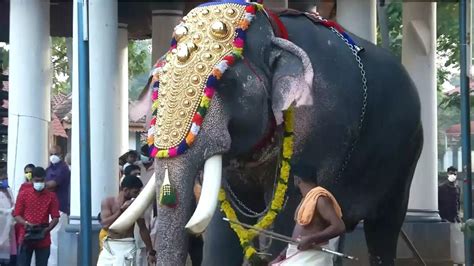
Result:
257,98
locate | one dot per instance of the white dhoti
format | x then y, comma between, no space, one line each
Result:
118,252
311,257
58,229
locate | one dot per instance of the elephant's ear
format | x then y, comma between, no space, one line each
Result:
292,77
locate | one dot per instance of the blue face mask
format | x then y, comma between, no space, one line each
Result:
4,183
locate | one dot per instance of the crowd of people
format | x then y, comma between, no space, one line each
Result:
41,210
137,244
35,217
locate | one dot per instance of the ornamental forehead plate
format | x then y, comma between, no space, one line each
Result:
203,38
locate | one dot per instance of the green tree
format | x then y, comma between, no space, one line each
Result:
60,66
139,65
3,58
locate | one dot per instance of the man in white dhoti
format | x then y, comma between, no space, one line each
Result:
318,220
120,250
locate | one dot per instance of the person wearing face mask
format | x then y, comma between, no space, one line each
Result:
34,207
7,233
58,180
448,197
28,170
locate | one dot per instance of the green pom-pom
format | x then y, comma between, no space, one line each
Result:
168,196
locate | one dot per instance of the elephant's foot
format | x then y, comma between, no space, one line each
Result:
378,260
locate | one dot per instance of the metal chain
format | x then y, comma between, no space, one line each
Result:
239,204
355,52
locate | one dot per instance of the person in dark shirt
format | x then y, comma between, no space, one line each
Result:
34,207
58,180
448,197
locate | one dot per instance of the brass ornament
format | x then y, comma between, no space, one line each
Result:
180,31
219,29
204,37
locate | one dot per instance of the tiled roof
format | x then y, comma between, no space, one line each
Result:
57,128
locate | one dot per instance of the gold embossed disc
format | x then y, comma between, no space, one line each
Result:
204,37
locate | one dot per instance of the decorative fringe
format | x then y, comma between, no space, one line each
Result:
167,193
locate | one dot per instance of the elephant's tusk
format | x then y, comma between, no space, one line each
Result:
207,204
136,209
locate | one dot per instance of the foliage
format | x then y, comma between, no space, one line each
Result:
60,66
395,26
139,58
3,58
139,64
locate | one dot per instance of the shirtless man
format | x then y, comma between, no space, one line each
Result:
318,219
120,249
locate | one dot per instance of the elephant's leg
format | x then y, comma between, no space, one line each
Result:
221,245
382,231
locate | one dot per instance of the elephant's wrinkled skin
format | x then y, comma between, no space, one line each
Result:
375,186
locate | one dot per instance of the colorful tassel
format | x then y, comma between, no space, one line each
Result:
167,192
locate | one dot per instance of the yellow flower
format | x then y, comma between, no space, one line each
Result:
247,235
221,196
285,171
288,117
288,147
249,252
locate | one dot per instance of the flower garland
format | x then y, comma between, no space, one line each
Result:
247,235
211,83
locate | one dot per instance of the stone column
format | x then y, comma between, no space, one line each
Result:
30,87
276,3
358,17
75,156
122,59
104,100
163,23
418,57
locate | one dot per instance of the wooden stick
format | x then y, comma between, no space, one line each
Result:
287,239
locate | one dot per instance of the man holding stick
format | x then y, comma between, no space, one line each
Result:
318,219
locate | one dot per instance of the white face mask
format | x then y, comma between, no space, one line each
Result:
451,178
54,159
145,159
38,186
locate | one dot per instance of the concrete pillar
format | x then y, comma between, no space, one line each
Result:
418,57
358,17
276,3
104,100
163,23
122,59
30,86
75,156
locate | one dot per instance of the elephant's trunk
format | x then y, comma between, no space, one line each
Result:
206,207
171,240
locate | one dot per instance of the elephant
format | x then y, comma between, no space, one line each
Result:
357,133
